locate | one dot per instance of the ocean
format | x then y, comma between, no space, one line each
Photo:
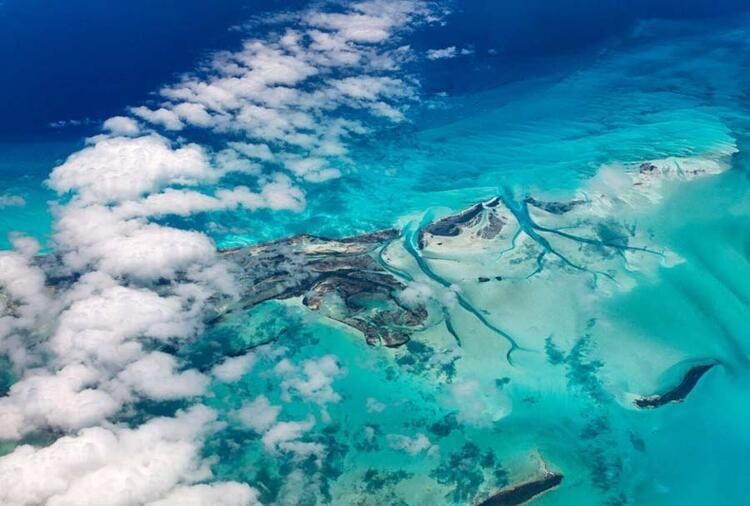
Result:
609,256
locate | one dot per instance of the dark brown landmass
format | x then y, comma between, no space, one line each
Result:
339,277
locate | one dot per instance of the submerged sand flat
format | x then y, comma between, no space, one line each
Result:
516,363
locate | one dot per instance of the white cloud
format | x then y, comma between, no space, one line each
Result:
258,415
280,435
95,236
479,404
312,168
229,160
153,252
314,382
214,494
370,21
155,377
281,93
22,287
67,400
232,369
122,125
121,168
279,193
257,151
25,301
422,290
440,54
163,117
194,114
447,53
124,316
115,466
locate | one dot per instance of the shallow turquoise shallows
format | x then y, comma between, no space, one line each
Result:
587,349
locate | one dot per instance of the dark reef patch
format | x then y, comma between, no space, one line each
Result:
375,481
445,426
463,471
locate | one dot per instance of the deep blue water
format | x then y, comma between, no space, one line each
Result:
83,60
73,64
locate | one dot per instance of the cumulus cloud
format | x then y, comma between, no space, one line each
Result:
370,21
25,301
283,435
258,415
278,436
99,331
233,368
256,151
122,126
119,168
159,460
84,349
150,252
277,193
125,316
422,291
23,295
163,117
313,382
96,237
66,400
214,494
479,404
281,93
374,406
156,377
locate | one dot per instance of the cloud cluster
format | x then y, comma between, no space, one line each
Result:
119,168
279,437
233,368
447,53
276,99
24,300
158,463
313,383
87,345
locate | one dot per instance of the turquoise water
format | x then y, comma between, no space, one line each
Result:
550,358
647,98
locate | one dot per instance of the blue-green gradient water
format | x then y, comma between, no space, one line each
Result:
437,423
